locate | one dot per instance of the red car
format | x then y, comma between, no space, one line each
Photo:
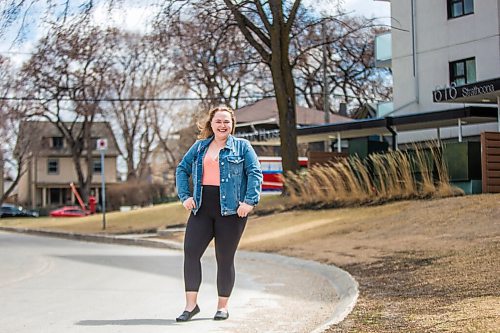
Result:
69,211
272,171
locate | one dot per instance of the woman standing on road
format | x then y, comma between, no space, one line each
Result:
227,181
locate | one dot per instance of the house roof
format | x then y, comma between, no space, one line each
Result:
365,111
266,111
46,129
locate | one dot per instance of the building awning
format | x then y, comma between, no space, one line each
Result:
446,118
482,92
389,125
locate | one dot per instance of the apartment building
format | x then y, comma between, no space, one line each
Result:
50,168
444,55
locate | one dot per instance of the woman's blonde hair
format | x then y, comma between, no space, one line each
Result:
204,126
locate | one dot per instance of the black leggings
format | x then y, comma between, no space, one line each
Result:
208,223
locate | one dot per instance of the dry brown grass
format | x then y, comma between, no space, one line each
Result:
397,175
422,265
140,220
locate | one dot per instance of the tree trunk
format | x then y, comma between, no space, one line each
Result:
284,86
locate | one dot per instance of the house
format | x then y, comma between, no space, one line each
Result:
50,169
166,156
259,123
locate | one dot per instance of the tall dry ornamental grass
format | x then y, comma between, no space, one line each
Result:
417,173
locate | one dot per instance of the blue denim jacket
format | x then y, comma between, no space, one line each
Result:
240,174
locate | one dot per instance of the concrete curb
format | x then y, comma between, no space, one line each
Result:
99,238
343,283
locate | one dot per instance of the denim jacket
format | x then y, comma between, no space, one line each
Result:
240,174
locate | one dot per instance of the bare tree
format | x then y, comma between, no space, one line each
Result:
273,29
25,15
140,76
352,75
13,152
268,27
133,83
212,59
276,30
64,79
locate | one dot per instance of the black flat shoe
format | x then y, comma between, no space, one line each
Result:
187,315
221,315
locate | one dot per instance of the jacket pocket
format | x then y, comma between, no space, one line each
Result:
235,165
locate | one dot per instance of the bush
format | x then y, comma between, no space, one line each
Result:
135,193
417,173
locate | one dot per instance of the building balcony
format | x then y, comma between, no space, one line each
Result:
383,50
384,109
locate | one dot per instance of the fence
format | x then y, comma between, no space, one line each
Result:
321,157
490,161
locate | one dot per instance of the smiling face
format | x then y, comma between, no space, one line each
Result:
222,125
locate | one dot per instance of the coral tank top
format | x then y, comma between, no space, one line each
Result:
211,172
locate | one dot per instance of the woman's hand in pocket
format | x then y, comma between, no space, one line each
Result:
244,209
189,203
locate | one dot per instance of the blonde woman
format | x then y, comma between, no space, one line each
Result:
227,181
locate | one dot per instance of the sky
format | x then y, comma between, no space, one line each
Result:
369,8
136,17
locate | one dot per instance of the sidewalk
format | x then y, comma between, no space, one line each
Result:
305,295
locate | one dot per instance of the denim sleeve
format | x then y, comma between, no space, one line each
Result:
183,172
254,176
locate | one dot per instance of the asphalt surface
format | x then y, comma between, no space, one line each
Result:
52,284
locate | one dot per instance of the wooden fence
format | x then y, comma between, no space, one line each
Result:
322,157
490,161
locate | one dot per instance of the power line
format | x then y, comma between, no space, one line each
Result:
160,99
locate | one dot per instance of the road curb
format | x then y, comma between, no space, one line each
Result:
98,238
343,283
345,286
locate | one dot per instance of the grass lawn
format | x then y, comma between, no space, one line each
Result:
139,220
422,265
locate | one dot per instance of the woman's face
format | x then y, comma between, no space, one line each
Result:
222,124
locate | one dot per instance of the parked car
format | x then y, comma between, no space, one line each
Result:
69,211
9,210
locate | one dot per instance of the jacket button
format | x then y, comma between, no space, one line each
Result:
221,163
223,197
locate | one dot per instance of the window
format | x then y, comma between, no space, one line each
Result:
52,166
457,8
97,166
57,142
463,71
93,143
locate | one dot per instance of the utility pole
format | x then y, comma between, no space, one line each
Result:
102,146
326,100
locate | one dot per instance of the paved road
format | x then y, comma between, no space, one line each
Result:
57,285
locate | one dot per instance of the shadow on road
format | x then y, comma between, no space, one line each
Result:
135,322
127,322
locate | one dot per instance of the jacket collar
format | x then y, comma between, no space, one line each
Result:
229,142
